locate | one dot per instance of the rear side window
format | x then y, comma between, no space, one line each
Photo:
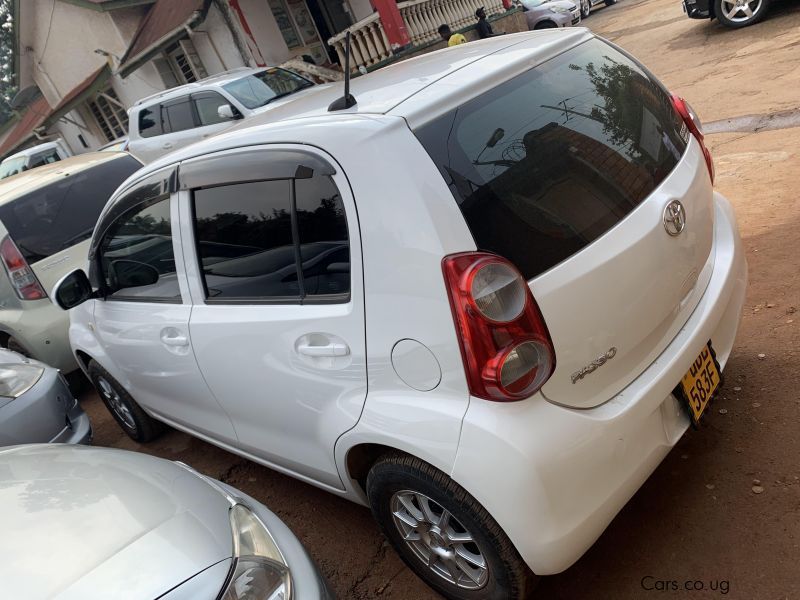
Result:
62,214
549,161
248,250
150,121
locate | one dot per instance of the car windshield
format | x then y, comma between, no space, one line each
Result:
264,87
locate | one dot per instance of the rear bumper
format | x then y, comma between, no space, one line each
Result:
43,330
565,472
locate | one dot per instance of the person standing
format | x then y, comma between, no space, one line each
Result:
484,29
452,39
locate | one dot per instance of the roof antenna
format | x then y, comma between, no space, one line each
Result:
347,100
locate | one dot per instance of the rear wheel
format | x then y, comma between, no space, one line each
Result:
740,13
443,534
610,2
586,8
139,426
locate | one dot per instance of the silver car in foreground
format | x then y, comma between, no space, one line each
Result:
83,523
36,404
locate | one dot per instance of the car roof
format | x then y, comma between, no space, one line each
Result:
385,89
32,150
415,89
15,186
212,80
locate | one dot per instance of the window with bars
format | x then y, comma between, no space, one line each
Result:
109,114
180,64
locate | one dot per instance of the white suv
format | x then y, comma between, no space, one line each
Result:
189,113
485,301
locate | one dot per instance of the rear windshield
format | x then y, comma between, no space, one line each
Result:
62,214
548,161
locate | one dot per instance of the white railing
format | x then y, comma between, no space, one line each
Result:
369,44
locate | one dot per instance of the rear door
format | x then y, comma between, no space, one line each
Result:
567,170
272,247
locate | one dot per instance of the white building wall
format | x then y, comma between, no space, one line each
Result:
360,9
215,45
62,48
265,31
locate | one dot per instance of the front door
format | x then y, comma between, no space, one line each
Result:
272,254
143,322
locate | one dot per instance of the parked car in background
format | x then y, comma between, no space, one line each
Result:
183,115
546,14
731,13
36,404
485,300
90,523
587,5
30,158
46,219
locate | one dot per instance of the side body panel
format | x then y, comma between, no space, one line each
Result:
409,222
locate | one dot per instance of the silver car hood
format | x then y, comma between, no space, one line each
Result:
10,357
82,522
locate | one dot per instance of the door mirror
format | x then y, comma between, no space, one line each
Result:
131,273
226,111
72,290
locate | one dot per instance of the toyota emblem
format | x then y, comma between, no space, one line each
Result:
674,218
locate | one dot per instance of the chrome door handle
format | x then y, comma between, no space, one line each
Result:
332,349
173,337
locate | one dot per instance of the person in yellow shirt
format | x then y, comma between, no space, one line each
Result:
452,39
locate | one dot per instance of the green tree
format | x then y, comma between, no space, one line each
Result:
7,75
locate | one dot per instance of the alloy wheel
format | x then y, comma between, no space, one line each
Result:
116,403
586,7
740,11
439,540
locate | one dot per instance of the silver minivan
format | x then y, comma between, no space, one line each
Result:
47,216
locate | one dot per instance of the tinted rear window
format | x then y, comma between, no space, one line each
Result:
547,162
64,213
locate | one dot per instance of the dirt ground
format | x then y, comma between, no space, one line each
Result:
697,519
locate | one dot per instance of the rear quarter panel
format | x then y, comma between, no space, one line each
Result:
408,223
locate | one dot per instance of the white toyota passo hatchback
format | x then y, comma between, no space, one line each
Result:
486,300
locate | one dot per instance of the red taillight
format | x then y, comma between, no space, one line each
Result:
695,127
19,272
505,345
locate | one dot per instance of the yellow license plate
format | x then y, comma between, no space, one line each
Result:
700,382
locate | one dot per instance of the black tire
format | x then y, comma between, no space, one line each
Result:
586,8
545,25
759,8
611,2
139,426
396,477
